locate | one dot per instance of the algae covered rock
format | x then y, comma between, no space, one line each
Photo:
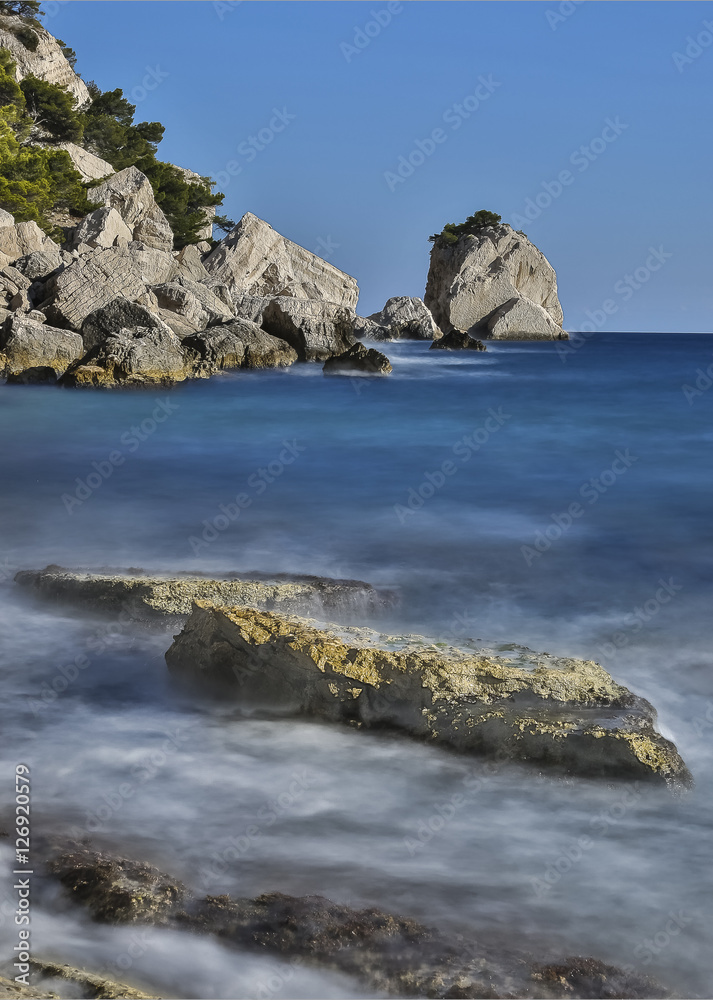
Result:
561,712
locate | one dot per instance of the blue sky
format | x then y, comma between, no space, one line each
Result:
595,115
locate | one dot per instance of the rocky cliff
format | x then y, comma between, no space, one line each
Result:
494,284
47,61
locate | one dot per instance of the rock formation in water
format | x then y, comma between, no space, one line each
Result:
494,283
358,358
458,340
402,318
559,712
388,954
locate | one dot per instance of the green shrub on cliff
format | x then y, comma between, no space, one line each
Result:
52,110
452,232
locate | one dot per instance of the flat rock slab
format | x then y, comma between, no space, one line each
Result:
148,595
552,711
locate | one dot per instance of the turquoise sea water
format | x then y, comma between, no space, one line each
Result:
556,499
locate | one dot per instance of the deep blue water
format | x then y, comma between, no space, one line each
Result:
484,550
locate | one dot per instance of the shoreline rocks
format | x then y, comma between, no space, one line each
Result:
389,954
556,712
402,318
494,284
358,359
154,594
457,340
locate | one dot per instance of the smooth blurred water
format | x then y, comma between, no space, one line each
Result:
341,813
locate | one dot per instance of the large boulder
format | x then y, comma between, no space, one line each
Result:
118,315
101,275
6,219
198,305
471,280
130,193
559,712
406,318
360,359
317,330
137,355
46,61
40,264
23,238
103,227
89,166
26,345
238,344
256,260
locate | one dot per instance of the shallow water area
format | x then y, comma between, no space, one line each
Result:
454,480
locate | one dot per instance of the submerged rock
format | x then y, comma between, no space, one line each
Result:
457,340
141,595
389,954
494,283
560,712
358,359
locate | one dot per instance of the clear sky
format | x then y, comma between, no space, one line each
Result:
338,95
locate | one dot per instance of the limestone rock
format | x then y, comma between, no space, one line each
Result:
9,989
197,304
24,238
6,219
457,340
148,595
86,984
317,330
250,307
238,344
96,278
190,264
180,326
560,712
519,315
103,227
256,260
48,61
367,329
117,315
26,344
473,278
90,166
358,359
407,318
130,193
40,264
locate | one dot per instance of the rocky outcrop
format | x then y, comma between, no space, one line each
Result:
26,346
457,340
206,233
142,595
199,306
388,954
255,260
40,264
97,277
83,983
316,330
358,359
558,712
494,283
406,319
136,355
103,228
89,166
118,315
238,344
47,62
130,193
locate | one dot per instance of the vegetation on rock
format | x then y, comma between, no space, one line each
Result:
452,231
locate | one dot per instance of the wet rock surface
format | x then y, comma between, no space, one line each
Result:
148,595
563,713
358,359
458,340
387,953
